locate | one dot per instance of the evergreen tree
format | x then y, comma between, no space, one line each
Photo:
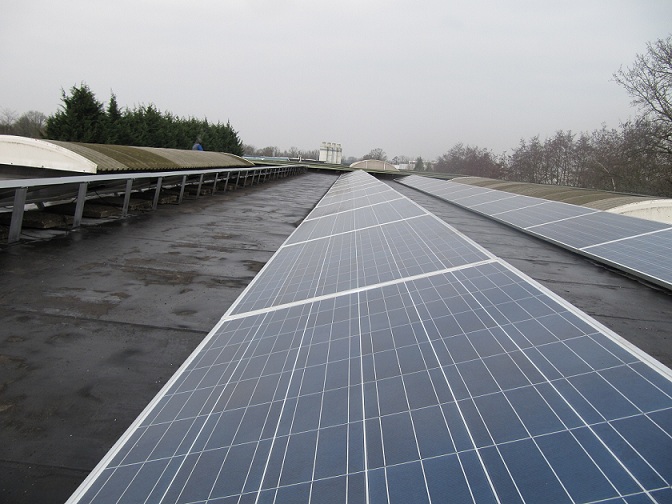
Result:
81,118
115,126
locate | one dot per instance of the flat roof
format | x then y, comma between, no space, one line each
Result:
99,320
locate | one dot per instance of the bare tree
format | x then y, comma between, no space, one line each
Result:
7,119
377,153
467,160
295,152
31,124
270,151
649,82
310,154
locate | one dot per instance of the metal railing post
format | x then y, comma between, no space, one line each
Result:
17,214
79,207
226,182
157,193
127,197
184,183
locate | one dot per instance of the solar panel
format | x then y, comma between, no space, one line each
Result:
358,218
349,197
533,214
627,254
597,228
441,375
503,204
479,198
638,246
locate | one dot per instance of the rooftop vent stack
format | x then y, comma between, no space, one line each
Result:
331,152
323,152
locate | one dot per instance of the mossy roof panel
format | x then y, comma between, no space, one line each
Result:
128,158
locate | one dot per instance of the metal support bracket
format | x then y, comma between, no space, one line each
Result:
157,193
79,207
127,197
184,183
17,214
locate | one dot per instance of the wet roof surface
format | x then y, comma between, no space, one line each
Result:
97,321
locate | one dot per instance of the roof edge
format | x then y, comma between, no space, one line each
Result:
34,153
656,210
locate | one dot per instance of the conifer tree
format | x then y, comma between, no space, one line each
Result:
81,118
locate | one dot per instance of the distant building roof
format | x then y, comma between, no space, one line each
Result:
374,164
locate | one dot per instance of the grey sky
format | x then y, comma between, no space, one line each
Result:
411,77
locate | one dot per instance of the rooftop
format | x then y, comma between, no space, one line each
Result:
99,319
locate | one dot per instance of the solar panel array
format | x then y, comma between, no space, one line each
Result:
638,246
381,356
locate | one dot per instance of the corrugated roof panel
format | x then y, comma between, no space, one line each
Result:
32,153
566,194
115,157
199,159
128,158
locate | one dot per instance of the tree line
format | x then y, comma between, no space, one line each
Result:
30,124
83,118
626,159
272,151
636,157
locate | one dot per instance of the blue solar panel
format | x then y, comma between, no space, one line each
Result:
596,228
358,218
467,382
534,214
627,254
638,246
503,203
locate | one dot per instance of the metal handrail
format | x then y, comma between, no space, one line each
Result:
21,187
50,181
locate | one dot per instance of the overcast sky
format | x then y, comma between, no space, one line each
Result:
410,77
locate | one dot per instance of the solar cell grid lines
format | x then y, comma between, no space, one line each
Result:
626,254
529,215
507,205
634,245
357,218
420,368
596,229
